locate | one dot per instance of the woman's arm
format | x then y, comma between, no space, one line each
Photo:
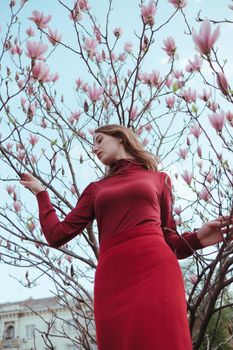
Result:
59,232
183,245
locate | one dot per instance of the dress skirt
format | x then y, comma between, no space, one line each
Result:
139,297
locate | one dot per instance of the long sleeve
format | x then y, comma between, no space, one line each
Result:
59,232
183,245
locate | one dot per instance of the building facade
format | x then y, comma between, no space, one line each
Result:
45,324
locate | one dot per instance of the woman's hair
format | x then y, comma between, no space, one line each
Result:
131,144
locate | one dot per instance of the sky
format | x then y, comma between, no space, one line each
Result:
126,15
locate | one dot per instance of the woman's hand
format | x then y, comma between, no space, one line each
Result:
32,183
213,231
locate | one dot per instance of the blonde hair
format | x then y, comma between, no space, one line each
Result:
131,144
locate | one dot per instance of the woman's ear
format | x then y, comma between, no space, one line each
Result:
119,139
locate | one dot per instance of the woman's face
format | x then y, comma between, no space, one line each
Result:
108,148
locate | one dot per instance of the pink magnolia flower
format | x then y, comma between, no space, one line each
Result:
90,47
128,47
133,113
205,95
199,151
31,90
10,189
95,94
73,190
122,57
222,83
169,82
40,72
19,146
196,130
118,32
79,83
112,57
76,14
30,32
103,54
148,13
145,142
97,33
12,3
204,194
178,221
48,102
195,65
16,50
91,132
53,37
35,50
213,106
189,95
13,50
229,117
178,74
187,177
20,83
33,159
193,279
210,177
178,210
20,155
43,123
39,19
74,117
83,5
98,58
81,134
33,139
182,153
178,3
205,40
169,46
217,120
170,101
9,146
148,127
85,87
31,110
153,78
17,206
139,130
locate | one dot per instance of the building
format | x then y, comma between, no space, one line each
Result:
46,324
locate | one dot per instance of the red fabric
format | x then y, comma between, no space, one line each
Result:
139,292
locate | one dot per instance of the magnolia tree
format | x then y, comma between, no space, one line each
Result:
180,107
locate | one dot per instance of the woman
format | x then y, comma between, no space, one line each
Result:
139,298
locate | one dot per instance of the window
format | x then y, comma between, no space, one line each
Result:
9,330
30,330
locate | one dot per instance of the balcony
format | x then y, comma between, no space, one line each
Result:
10,343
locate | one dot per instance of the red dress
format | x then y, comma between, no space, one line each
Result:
139,298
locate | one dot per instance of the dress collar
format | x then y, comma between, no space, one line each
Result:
124,164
